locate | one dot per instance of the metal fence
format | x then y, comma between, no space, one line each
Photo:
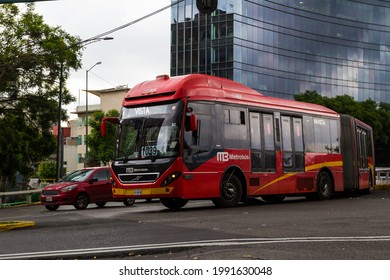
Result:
382,175
19,195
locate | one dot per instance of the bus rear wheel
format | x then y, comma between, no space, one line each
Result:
324,186
231,192
173,203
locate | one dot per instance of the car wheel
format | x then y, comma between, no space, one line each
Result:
52,207
101,203
81,201
129,201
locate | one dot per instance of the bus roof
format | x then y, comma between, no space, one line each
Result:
211,88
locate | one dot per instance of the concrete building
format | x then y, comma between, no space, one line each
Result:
75,148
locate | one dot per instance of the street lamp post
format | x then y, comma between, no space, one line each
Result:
59,131
59,161
86,111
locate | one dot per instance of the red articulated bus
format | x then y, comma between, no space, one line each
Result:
204,137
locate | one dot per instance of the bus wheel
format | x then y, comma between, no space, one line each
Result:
101,204
368,190
173,203
273,198
231,192
324,186
129,201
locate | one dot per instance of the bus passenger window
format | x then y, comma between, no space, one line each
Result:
292,144
286,143
322,136
334,136
200,140
235,135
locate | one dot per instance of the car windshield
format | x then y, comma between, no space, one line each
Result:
77,176
150,132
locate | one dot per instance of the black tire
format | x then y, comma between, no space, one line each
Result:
82,201
324,186
101,204
52,207
129,201
276,198
173,203
231,192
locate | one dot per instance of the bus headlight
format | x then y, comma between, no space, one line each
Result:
170,178
113,182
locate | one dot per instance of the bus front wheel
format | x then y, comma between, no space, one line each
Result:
231,192
173,203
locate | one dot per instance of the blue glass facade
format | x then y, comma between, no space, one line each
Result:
284,47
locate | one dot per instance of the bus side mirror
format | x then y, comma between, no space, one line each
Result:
194,122
114,120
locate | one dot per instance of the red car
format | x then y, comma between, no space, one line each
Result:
79,188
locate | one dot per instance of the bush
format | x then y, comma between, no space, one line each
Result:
47,169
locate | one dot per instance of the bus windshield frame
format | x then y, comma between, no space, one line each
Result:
150,132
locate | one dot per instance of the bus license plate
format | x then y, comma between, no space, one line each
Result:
137,192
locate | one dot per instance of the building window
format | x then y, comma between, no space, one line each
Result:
79,158
80,122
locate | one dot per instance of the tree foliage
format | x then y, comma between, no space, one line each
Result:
101,149
47,170
374,114
33,58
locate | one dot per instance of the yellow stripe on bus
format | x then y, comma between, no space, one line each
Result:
308,168
324,164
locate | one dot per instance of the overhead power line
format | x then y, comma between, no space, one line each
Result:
130,23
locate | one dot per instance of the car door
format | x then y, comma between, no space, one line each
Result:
100,186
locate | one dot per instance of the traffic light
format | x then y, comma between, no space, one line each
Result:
206,6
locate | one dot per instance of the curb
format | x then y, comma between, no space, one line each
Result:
9,225
382,187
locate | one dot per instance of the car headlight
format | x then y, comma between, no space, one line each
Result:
68,188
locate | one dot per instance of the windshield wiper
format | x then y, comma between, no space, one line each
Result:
125,159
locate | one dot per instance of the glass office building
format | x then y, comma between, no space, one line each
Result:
285,47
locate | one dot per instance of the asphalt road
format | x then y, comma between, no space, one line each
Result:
346,227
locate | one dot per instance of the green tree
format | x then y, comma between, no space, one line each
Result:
310,96
101,149
47,170
34,57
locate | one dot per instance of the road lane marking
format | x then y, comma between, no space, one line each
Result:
190,244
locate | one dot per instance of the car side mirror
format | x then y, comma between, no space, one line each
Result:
92,180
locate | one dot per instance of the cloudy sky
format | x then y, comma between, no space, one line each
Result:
137,53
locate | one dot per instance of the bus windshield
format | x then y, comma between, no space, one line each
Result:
150,132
